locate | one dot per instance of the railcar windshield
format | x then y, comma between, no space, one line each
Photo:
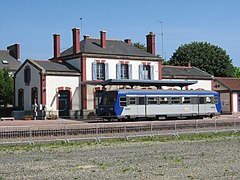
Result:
109,99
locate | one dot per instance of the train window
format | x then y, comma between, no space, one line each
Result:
141,100
194,100
163,100
132,100
209,100
175,100
123,101
186,100
216,100
152,100
202,100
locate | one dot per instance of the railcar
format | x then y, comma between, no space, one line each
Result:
158,104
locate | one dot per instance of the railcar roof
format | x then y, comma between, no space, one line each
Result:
152,91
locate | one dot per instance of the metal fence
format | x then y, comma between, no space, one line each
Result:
100,131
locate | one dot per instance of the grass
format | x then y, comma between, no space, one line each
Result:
80,144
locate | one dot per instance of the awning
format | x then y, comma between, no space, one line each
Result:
157,83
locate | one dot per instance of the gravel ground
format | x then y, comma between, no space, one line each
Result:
205,159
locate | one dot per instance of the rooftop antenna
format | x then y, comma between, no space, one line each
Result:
81,20
162,36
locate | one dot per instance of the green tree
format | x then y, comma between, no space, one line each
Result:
236,72
207,57
6,88
140,46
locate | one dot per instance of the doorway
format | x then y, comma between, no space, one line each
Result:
64,103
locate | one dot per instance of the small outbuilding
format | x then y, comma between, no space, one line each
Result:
229,90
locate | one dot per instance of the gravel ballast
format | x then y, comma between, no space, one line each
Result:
204,159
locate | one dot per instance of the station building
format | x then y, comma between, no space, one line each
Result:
72,81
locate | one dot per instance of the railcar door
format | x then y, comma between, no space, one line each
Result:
141,106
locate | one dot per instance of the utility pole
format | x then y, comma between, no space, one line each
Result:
162,36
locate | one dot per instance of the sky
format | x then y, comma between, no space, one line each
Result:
32,23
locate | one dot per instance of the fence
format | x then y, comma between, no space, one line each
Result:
99,131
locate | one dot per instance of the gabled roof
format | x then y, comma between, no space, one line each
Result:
52,67
113,47
10,62
184,72
232,84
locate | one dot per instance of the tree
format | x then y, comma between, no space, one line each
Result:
6,88
140,46
236,73
207,57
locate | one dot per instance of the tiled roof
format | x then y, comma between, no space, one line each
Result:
231,83
11,63
113,47
52,66
184,71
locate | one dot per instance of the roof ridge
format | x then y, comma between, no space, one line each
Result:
189,67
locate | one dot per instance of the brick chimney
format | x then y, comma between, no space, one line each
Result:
128,41
76,40
14,51
151,43
56,45
103,39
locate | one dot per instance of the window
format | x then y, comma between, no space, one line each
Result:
146,72
109,99
5,61
152,100
132,100
27,75
209,100
141,100
21,98
163,100
175,100
215,100
124,71
123,101
194,100
186,100
202,100
99,71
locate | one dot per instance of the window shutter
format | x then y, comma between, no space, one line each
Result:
141,72
152,72
106,72
94,71
130,71
118,71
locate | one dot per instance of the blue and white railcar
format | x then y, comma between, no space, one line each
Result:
159,104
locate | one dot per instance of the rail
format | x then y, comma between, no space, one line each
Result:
100,131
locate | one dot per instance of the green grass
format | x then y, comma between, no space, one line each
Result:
79,144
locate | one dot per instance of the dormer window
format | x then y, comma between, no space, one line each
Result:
4,61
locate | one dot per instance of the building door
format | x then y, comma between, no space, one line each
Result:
64,103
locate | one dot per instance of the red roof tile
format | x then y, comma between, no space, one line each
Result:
232,83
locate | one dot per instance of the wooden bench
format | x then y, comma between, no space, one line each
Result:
7,118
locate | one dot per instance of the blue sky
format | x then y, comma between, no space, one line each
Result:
32,23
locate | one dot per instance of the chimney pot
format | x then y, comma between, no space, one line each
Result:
128,41
56,45
151,43
76,40
86,36
103,39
